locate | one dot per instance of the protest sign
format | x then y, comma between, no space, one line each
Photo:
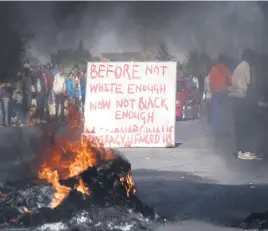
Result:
131,104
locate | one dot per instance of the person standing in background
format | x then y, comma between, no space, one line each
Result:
71,88
71,92
1,107
13,107
244,104
42,95
59,89
18,98
6,99
195,80
50,75
201,84
207,99
219,80
77,88
27,95
83,85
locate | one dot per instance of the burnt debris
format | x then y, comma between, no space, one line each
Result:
256,221
27,203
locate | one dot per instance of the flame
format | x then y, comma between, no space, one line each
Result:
67,159
60,191
82,188
25,209
128,183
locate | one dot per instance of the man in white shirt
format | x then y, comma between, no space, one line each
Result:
242,93
59,89
240,80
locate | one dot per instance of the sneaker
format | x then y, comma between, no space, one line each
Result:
249,156
13,119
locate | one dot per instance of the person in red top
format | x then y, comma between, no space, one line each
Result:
220,79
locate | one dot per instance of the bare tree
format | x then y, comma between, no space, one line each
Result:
197,63
163,53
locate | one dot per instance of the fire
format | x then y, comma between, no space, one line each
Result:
60,191
25,209
68,159
128,183
82,188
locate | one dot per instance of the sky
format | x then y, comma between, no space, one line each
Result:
210,27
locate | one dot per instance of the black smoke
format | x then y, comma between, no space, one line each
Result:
12,40
212,28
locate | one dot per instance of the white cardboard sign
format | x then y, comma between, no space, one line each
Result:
131,104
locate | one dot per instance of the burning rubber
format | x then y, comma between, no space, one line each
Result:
79,185
109,186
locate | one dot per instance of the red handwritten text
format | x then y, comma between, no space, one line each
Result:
152,88
146,117
100,105
106,87
116,71
152,102
124,103
133,139
153,69
143,129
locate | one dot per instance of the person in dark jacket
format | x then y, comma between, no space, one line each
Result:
18,100
50,75
82,90
27,95
42,87
1,107
13,108
6,91
201,83
71,93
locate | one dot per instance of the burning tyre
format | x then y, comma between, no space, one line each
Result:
80,184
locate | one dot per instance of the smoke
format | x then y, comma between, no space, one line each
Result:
219,27
210,27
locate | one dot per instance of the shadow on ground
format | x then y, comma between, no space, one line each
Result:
179,195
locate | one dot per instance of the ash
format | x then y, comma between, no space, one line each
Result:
117,218
27,203
33,197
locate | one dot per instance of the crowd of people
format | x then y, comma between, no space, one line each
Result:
238,92
45,85
222,90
